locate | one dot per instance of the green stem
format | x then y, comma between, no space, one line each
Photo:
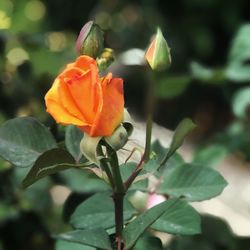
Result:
150,110
105,166
119,186
151,101
118,201
148,137
118,195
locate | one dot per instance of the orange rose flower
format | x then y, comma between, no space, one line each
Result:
79,97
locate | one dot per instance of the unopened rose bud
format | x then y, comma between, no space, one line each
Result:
158,54
119,138
90,40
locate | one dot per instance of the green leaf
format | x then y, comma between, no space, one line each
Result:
181,219
83,180
181,132
160,153
73,137
99,173
148,243
37,198
200,72
238,68
215,232
207,75
210,155
49,163
136,228
241,102
98,211
94,238
66,245
23,140
170,87
158,150
194,182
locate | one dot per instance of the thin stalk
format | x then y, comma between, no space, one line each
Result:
150,104
118,195
118,201
132,177
148,137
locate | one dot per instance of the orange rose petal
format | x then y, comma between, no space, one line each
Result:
83,90
68,102
56,109
150,52
111,113
53,94
71,74
61,115
85,129
105,80
84,62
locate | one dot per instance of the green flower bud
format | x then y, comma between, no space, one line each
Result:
119,138
90,40
158,54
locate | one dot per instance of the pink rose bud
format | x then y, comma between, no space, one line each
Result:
90,40
158,53
154,199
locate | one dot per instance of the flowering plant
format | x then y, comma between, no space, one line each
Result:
93,106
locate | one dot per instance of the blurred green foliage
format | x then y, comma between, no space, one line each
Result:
216,235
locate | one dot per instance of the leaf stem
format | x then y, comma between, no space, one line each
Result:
132,177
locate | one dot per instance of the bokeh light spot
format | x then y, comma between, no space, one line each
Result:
56,41
17,56
35,10
5,21
131,14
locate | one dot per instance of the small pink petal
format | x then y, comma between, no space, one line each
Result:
154,199
83,34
